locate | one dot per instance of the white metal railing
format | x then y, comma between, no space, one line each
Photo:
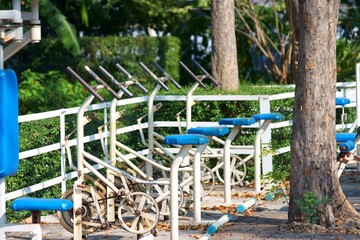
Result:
348,90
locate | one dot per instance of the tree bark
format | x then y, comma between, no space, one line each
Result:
313,148
224,53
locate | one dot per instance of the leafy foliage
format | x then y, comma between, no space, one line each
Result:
63,29
50,55
40,92
309,205
347,55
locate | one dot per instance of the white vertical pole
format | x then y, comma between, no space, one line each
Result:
267,163
197,181
227,164
105,130
2,207
151,99
1,56
77,196
174,197
62,151
189,104
357,72
110,176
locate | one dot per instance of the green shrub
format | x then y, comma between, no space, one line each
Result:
40,92
309,205
49,55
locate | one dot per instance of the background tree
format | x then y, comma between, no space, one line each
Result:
224,54
313,148
265,29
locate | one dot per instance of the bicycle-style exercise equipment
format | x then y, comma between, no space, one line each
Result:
186,141
153,140
160,193
231,163
137,211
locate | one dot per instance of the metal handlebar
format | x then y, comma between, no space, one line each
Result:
148,71
136,82
206,73
166,75
85,84
192,74
100,81
111,77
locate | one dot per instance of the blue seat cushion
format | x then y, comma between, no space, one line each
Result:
186,139
237,121
39,204
342,101
268,116
209,131
344,137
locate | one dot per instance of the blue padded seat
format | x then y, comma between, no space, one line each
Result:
342,101
186,139
268,116
237,121
209,131
39,204
347,146
344,137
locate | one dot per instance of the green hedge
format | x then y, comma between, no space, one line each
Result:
50,55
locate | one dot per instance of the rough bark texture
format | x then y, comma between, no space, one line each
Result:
313,160
224,54
292,11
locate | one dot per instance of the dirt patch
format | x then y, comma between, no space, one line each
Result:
296,227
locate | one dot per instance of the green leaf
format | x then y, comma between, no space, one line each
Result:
65,31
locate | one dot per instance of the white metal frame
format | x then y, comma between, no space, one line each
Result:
14,35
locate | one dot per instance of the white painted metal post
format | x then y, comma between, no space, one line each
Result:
149,170
257,152
189,104
227,165
357,72
197,181
62,151
267,162
109,174
77,216
1,56
174,197
2,207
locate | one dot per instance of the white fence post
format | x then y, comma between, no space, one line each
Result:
267,164
357,71
62,150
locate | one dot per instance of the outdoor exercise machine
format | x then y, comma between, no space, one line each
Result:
187,141
137,211
160,193
153,144
238,166
228,161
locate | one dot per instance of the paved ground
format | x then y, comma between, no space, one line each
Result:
267,221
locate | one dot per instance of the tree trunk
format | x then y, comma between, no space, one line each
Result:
313,148
224,54
292,10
